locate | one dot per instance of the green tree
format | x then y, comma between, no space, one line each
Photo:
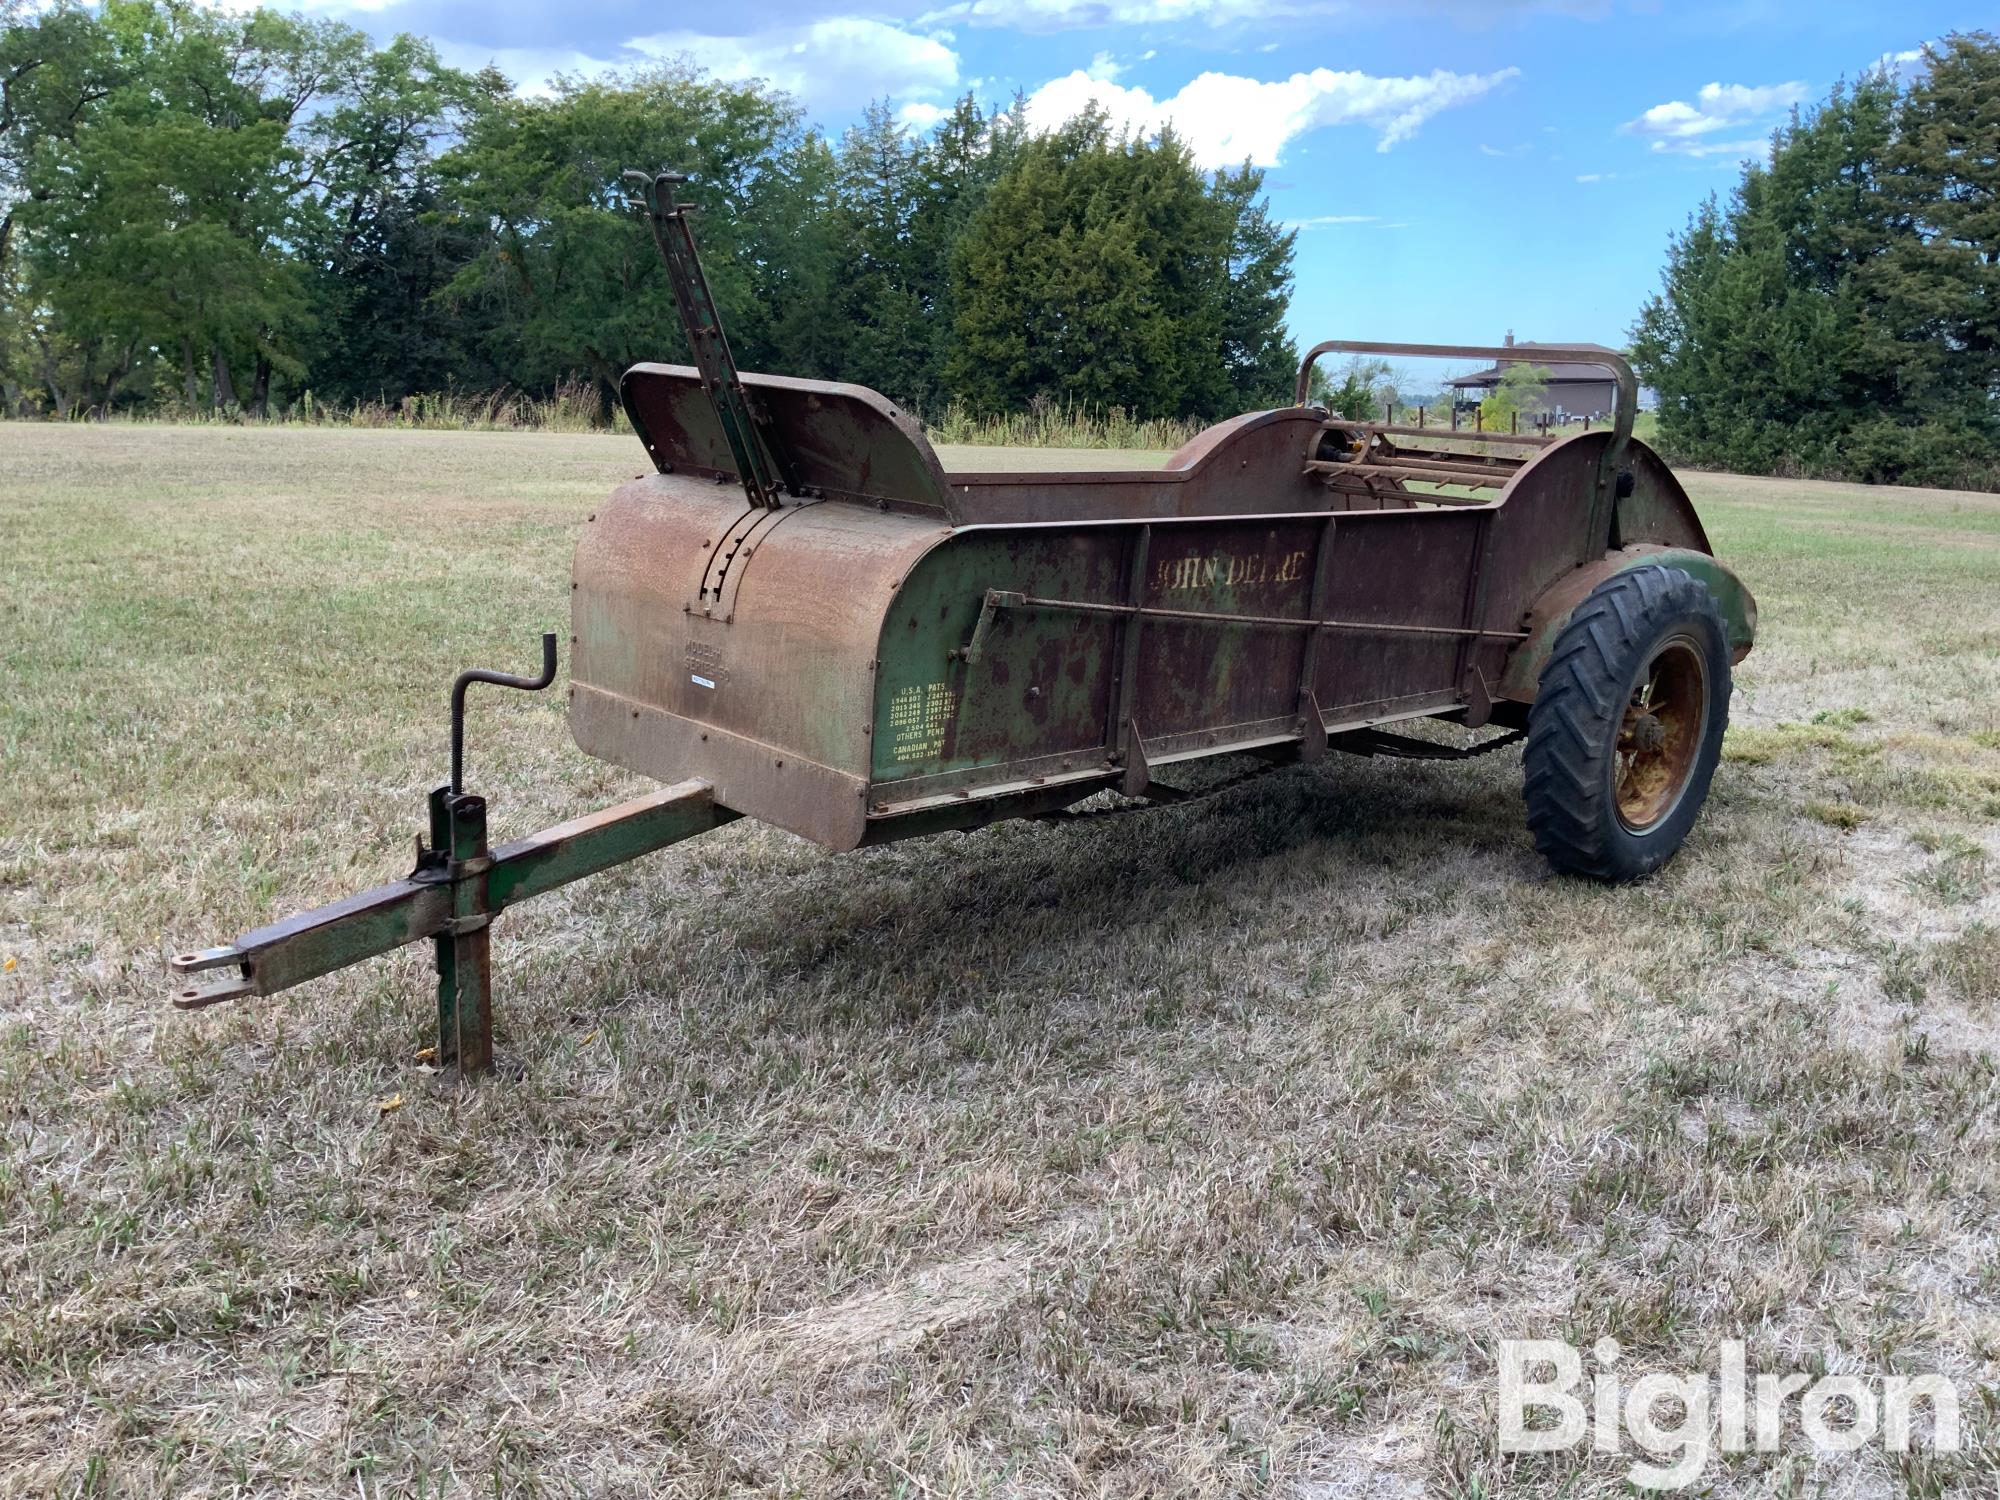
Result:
385,243
1515,396
880,288
55,64
1356,392
1260,358
1099,270
166,242
901,205
967,152
1838,315
170,216
569,270
1932,336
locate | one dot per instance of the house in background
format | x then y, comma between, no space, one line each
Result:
1572,390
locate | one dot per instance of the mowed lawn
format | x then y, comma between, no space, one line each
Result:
1211,1149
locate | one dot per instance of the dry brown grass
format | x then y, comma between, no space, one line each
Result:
1211,1150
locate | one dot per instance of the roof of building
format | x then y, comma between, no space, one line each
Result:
1558,373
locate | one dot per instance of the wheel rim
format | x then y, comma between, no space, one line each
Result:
1660,737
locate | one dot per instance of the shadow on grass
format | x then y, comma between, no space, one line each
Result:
1023,907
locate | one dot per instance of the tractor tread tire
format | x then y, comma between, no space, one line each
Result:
1579,711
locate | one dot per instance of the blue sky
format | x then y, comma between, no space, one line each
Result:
1457,168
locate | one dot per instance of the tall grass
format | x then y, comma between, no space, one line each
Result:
1048,423
571,407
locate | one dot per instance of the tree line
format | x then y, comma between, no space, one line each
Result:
1840,314
205,210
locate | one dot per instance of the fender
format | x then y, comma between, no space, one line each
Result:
1551,611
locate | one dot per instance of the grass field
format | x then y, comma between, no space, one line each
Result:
1206,1150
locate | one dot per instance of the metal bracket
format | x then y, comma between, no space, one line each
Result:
764,465
1138,774
1312,728
1478,709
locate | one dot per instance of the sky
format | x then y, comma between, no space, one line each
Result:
1457,169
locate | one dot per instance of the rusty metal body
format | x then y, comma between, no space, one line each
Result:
903,649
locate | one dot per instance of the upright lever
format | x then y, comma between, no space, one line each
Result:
762,464
471,675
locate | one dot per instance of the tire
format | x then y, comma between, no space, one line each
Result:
1627,725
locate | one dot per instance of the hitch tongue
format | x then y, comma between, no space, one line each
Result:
220,986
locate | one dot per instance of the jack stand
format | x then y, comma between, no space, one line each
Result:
459,854
461,883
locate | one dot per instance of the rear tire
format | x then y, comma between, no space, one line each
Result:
1627,725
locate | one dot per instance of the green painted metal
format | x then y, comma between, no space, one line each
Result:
451,898
1734,601
341,933
584,846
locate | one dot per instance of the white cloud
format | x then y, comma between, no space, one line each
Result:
1684,128
1064,15
1595,176
530,68
839,63
1521,150
921,116
1225,118
1742,150
1316,220
1902,65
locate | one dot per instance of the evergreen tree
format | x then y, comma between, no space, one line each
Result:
1112,273
1934,290
880,297
1841,315
1259,356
